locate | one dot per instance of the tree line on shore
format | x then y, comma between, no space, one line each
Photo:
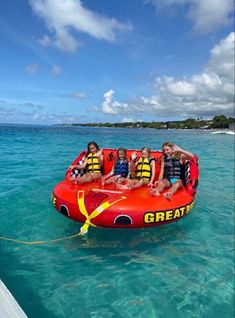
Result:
220,121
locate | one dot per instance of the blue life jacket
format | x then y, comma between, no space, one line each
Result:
121,167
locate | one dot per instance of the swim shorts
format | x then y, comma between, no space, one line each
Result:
173,180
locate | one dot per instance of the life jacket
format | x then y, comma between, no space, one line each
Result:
121,167
144,168
93,164
173,169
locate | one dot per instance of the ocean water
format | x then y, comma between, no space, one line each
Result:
180,270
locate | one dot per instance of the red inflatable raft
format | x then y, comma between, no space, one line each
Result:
106,206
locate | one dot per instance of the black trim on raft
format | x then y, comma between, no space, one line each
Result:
64,210
123,219
196,184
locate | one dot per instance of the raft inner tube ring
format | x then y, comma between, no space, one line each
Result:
123,219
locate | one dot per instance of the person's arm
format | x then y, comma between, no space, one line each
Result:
133,161
184,155
110,174
81,166
100,157
153,171
161,174
129,171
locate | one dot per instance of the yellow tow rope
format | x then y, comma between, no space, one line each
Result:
84,228
95,213
38,242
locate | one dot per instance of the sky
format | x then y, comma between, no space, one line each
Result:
75,61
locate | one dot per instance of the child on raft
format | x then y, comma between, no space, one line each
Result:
145,171
172,172
93,164
120,169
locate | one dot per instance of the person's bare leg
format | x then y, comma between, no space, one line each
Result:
89,177
137,184
112,179
126,186
120,180
84,179
173,189
160,187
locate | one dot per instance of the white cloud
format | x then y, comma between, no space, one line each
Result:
16,115
112,107
78,95
32,105
32,69
205,15
222,58
45,41
62,18
207,94
128,120
209,15
209,80
180,88
55,70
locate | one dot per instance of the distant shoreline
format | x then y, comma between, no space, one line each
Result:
220,122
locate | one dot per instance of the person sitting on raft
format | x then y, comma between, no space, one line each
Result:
120,169
145,171
172,172
92,163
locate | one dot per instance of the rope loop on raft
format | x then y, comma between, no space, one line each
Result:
102,207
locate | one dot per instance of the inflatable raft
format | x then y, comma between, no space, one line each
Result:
106,206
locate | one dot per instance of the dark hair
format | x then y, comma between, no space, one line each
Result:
94,144
123,150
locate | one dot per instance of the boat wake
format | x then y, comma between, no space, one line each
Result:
227,132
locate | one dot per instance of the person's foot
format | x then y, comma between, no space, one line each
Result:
71,178
122,187
80,181
154,192
168,195
155,184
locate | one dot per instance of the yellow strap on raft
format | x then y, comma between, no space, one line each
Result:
102,207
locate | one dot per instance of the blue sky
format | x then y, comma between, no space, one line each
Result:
75,61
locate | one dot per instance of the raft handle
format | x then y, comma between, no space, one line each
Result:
64,210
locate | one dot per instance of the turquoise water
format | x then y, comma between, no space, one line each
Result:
184,269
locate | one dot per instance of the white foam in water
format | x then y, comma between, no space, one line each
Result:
227,132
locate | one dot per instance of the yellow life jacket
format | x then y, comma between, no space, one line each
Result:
144,168
93,164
